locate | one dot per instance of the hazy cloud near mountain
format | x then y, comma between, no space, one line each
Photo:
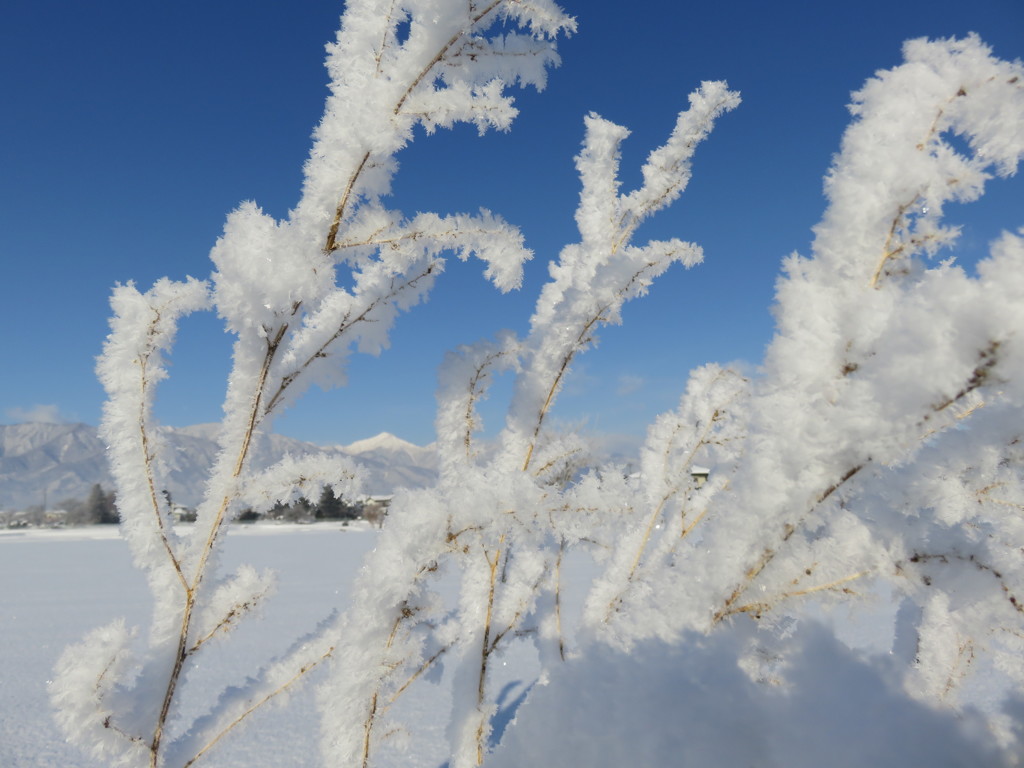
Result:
42,414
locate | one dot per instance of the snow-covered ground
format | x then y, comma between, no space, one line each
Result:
605,709
57,585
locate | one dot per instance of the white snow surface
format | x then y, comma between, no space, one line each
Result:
61,584
657,706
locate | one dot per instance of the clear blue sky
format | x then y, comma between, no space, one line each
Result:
130,129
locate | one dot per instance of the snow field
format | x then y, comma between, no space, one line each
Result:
58,585
649,707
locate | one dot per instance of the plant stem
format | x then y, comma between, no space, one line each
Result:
192,589
485,648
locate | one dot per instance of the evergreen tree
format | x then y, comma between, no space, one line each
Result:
329,507
99,506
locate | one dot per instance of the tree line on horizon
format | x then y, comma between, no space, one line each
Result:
100,508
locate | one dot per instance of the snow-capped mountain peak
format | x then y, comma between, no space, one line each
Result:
46,463
385,442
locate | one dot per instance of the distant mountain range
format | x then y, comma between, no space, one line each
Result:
47,463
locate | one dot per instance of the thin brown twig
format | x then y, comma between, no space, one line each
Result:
683,472
485,646
238,721
759,607
988,357
630,221
439,56
768,555
237,610
475,390
339,212
659,508
977,378
888,252
193,587
581,339
964,659
552,462
371,715
342,207
376,241
558,598
147,464
346,325
384,36
412,678
556,382
946,557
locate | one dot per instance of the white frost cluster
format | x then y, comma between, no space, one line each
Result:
503,518
878,452
880,448
299,295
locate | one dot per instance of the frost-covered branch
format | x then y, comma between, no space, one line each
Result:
593,279
889,401
707,425
142,331
298,295
499,512
875,460
878,451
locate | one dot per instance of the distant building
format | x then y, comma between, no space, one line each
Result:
375,508
55,518
183,514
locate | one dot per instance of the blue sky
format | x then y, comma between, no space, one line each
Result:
131,129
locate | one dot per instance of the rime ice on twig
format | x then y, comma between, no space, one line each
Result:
889,407
881,441
277,286
501,518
